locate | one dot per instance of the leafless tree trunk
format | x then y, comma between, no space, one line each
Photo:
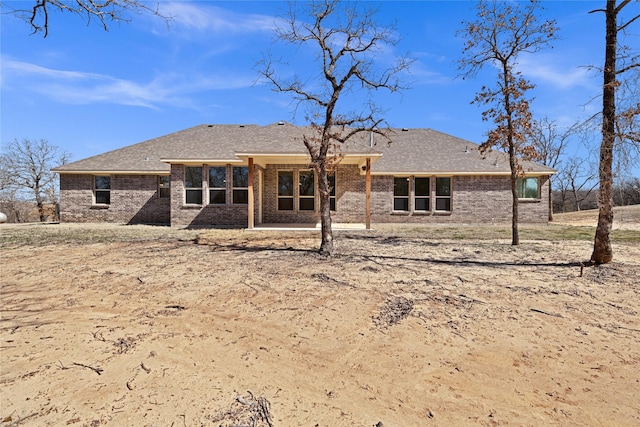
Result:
326,245
347,39
602,249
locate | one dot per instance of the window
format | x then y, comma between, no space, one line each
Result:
240,185
400,194
528,188
217,185
193,185
422,191
102,189
306,199
332,191
443,194
164,186
285,190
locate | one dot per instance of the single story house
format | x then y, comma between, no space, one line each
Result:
252,176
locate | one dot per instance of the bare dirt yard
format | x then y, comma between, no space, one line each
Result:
405,326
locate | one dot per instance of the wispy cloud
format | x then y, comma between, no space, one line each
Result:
80,88
24,68
188,17
422,74
548,69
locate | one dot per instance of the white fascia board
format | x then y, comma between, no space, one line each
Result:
111,172
201,161
451,173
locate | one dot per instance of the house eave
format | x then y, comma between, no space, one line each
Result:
263,159
201,161
110,172
457,173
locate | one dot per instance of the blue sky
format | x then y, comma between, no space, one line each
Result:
90,91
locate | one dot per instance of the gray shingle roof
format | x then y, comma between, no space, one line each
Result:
412,151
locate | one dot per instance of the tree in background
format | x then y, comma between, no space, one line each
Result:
37,12
611,121
627,144
502,32
627,192
8,198
578,178
347,39
550,142
26,169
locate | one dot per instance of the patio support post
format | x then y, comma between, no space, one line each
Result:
251,219
368,195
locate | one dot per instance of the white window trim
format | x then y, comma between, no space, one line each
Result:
529,199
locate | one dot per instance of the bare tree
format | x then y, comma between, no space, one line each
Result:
37,12
578,178
626,152
27,167
5,176
347,39
7,192
602,250
502,32
627,192
550,142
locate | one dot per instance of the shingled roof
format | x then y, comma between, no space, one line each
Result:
412,151
426,151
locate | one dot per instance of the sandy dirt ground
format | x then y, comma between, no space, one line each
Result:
230,328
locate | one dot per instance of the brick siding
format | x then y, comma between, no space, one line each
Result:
134,199
206,215
475,200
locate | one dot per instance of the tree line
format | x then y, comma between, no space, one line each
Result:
28,187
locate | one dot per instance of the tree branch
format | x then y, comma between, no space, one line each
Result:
110,10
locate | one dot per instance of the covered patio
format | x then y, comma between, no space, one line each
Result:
255,213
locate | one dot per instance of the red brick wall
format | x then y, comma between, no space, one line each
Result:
475,199
134,199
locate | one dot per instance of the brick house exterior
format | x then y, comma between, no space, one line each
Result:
251,176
